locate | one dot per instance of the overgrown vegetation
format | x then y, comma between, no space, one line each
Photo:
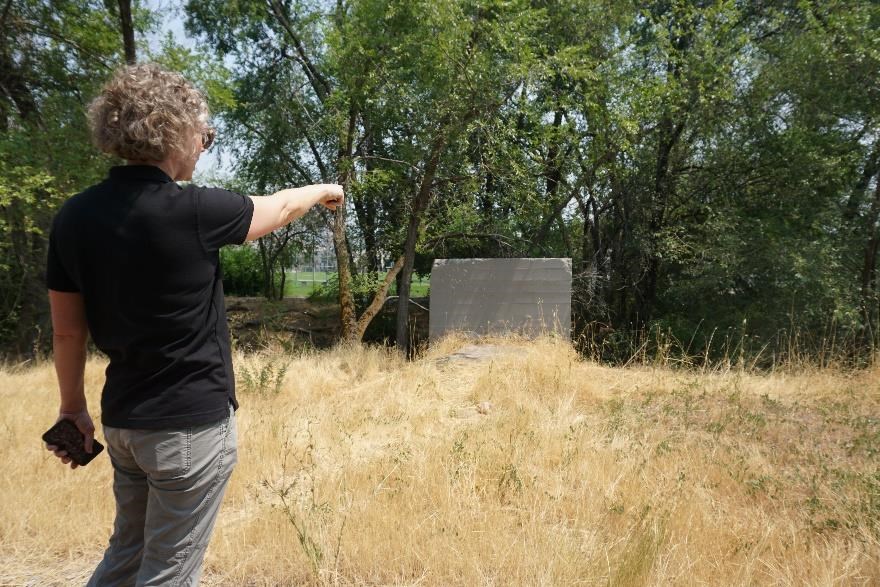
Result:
241,271
710,167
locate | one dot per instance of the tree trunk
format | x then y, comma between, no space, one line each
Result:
552,177
589,244
420,204
346,298
663,187
378,301
365,207
267,268
127,31
856,198
348,315
620,278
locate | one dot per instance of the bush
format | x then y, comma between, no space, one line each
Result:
364,286
242,271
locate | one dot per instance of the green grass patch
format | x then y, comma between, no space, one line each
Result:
302,283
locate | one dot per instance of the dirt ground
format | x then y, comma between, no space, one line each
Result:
297,322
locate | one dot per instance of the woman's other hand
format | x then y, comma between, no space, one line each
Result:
85,425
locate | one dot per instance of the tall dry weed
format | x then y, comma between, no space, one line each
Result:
532,468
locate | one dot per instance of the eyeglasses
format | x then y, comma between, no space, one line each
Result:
208,137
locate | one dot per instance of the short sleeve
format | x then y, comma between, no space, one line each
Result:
57,276
224,217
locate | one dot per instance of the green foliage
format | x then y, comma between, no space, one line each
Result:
700,162
262,380
712,168
32,191
364,286
53,56
28,197
209,74
241,271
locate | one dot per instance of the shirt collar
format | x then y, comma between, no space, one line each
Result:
139,172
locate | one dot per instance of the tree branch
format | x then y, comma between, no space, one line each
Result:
319,83
376,157
498,238
313,147
35,28
127,31
378,299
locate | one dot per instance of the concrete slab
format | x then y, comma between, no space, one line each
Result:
499,296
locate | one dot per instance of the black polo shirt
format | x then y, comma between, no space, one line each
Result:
143,252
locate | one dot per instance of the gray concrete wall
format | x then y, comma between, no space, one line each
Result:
496,296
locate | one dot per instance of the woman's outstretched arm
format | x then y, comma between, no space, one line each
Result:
285,206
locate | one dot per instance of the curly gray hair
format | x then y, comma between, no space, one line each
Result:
146,113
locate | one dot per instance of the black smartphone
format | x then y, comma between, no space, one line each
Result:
66,436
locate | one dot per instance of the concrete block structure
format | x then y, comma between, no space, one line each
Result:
497,296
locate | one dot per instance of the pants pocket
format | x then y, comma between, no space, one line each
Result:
165,454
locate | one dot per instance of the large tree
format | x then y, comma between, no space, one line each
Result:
375,95
52,56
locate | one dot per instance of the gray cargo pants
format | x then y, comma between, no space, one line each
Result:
168,486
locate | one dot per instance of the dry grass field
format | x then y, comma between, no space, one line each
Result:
532,468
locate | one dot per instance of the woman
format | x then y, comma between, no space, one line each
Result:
134,262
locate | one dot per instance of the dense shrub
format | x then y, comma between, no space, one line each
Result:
242,271
364,286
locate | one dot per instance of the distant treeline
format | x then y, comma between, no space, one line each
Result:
710,166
